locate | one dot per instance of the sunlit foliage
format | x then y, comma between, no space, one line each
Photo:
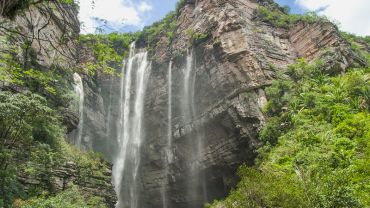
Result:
316,143
108,50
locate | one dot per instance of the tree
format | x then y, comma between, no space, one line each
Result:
25,120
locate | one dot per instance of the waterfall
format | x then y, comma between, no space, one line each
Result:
129,139
196,190
79,89
169,116
188,95
168,149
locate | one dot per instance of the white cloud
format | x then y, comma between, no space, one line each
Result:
145,7
116,13
353,16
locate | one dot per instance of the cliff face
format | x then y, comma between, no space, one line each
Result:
49,30
239,58
44,38
232,68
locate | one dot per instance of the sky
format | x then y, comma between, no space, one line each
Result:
132,15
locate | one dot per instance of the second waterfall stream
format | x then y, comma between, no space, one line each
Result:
135,75
79,90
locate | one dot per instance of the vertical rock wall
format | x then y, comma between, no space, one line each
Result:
44,37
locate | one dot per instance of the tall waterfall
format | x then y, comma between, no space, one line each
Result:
168,149
79,89
188,89
130,135
196,190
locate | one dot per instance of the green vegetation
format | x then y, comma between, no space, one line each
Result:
279,17
151,35
32,142
316,147
71,198
25,122
32,137
108,49
359,45
180,4
196,37
52,82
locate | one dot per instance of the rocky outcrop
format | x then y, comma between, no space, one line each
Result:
68,175
49,32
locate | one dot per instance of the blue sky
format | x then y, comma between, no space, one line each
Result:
294,8
133,15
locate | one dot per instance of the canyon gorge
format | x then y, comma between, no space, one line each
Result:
182,112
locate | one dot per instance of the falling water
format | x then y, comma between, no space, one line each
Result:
109,122
79,89
169,116
188,89
196,190
168,150
133,87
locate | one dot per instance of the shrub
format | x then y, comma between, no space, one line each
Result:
196,37
108,49
164,28
25,122
70,198
281,18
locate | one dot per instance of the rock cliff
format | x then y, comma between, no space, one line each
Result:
44,37
240,57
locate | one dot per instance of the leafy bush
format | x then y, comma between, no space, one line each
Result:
25,122
151,34
71,198
52,83
109,51
281,18
357,44
196,37
258,189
